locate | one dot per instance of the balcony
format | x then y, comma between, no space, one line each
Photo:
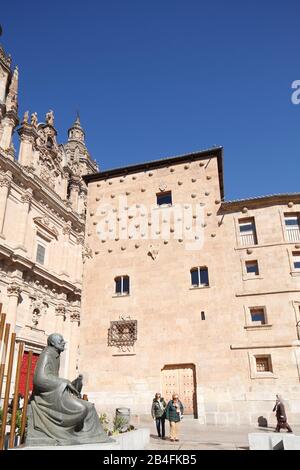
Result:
293,234
247,239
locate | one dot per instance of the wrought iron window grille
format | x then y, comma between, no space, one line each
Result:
122,333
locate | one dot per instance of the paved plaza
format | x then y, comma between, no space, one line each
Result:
196,436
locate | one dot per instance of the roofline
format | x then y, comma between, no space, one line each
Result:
283,198
175,160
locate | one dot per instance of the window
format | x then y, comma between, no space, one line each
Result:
263,364
258,315
164,199
202,315
122,333
292,226
122,285
296,259
247,231
199,277
252,268
40,253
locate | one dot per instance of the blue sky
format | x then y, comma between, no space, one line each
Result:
159,78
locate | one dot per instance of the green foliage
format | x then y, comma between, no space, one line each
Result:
104,421
119,423
18,421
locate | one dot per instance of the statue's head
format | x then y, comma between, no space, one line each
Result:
57,341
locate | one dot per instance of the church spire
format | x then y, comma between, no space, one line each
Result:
76,133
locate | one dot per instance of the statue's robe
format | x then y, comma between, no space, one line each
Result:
57,414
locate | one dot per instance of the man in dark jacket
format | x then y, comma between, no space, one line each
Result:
279,408
158,414
174,412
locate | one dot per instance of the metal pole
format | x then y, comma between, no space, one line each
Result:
7,389
24,414
4,353
16,398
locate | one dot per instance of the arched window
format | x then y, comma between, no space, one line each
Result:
122,285
199,277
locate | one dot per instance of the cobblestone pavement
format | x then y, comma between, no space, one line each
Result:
196,436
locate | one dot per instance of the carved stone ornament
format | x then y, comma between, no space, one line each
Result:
162,186
26,197
44,223
13,290
87,252
75,316
5,180
60,311
153,251
67,229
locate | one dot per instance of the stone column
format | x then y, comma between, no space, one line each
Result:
74,342
5,182
79,262
74,192
13,293
65,248
60,313
82,200
26,199
27,135
64,184
8,124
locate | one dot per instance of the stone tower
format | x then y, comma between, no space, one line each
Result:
8,101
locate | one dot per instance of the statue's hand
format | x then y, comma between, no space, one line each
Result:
72,388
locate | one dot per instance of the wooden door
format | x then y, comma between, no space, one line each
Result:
23,372
180,379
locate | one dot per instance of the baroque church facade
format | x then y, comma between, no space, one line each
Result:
42,224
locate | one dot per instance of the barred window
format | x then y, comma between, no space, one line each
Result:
263,364
122,333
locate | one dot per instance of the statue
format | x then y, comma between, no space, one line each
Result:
25,117
57,415
50,118
34,120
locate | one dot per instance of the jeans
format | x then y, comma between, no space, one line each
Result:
160,426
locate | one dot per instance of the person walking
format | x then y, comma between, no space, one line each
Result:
158,414
174,413
279,409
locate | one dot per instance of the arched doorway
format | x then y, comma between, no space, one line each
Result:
181,379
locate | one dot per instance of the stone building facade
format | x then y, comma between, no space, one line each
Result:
204,303
42,223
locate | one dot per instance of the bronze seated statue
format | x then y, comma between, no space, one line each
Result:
57,416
